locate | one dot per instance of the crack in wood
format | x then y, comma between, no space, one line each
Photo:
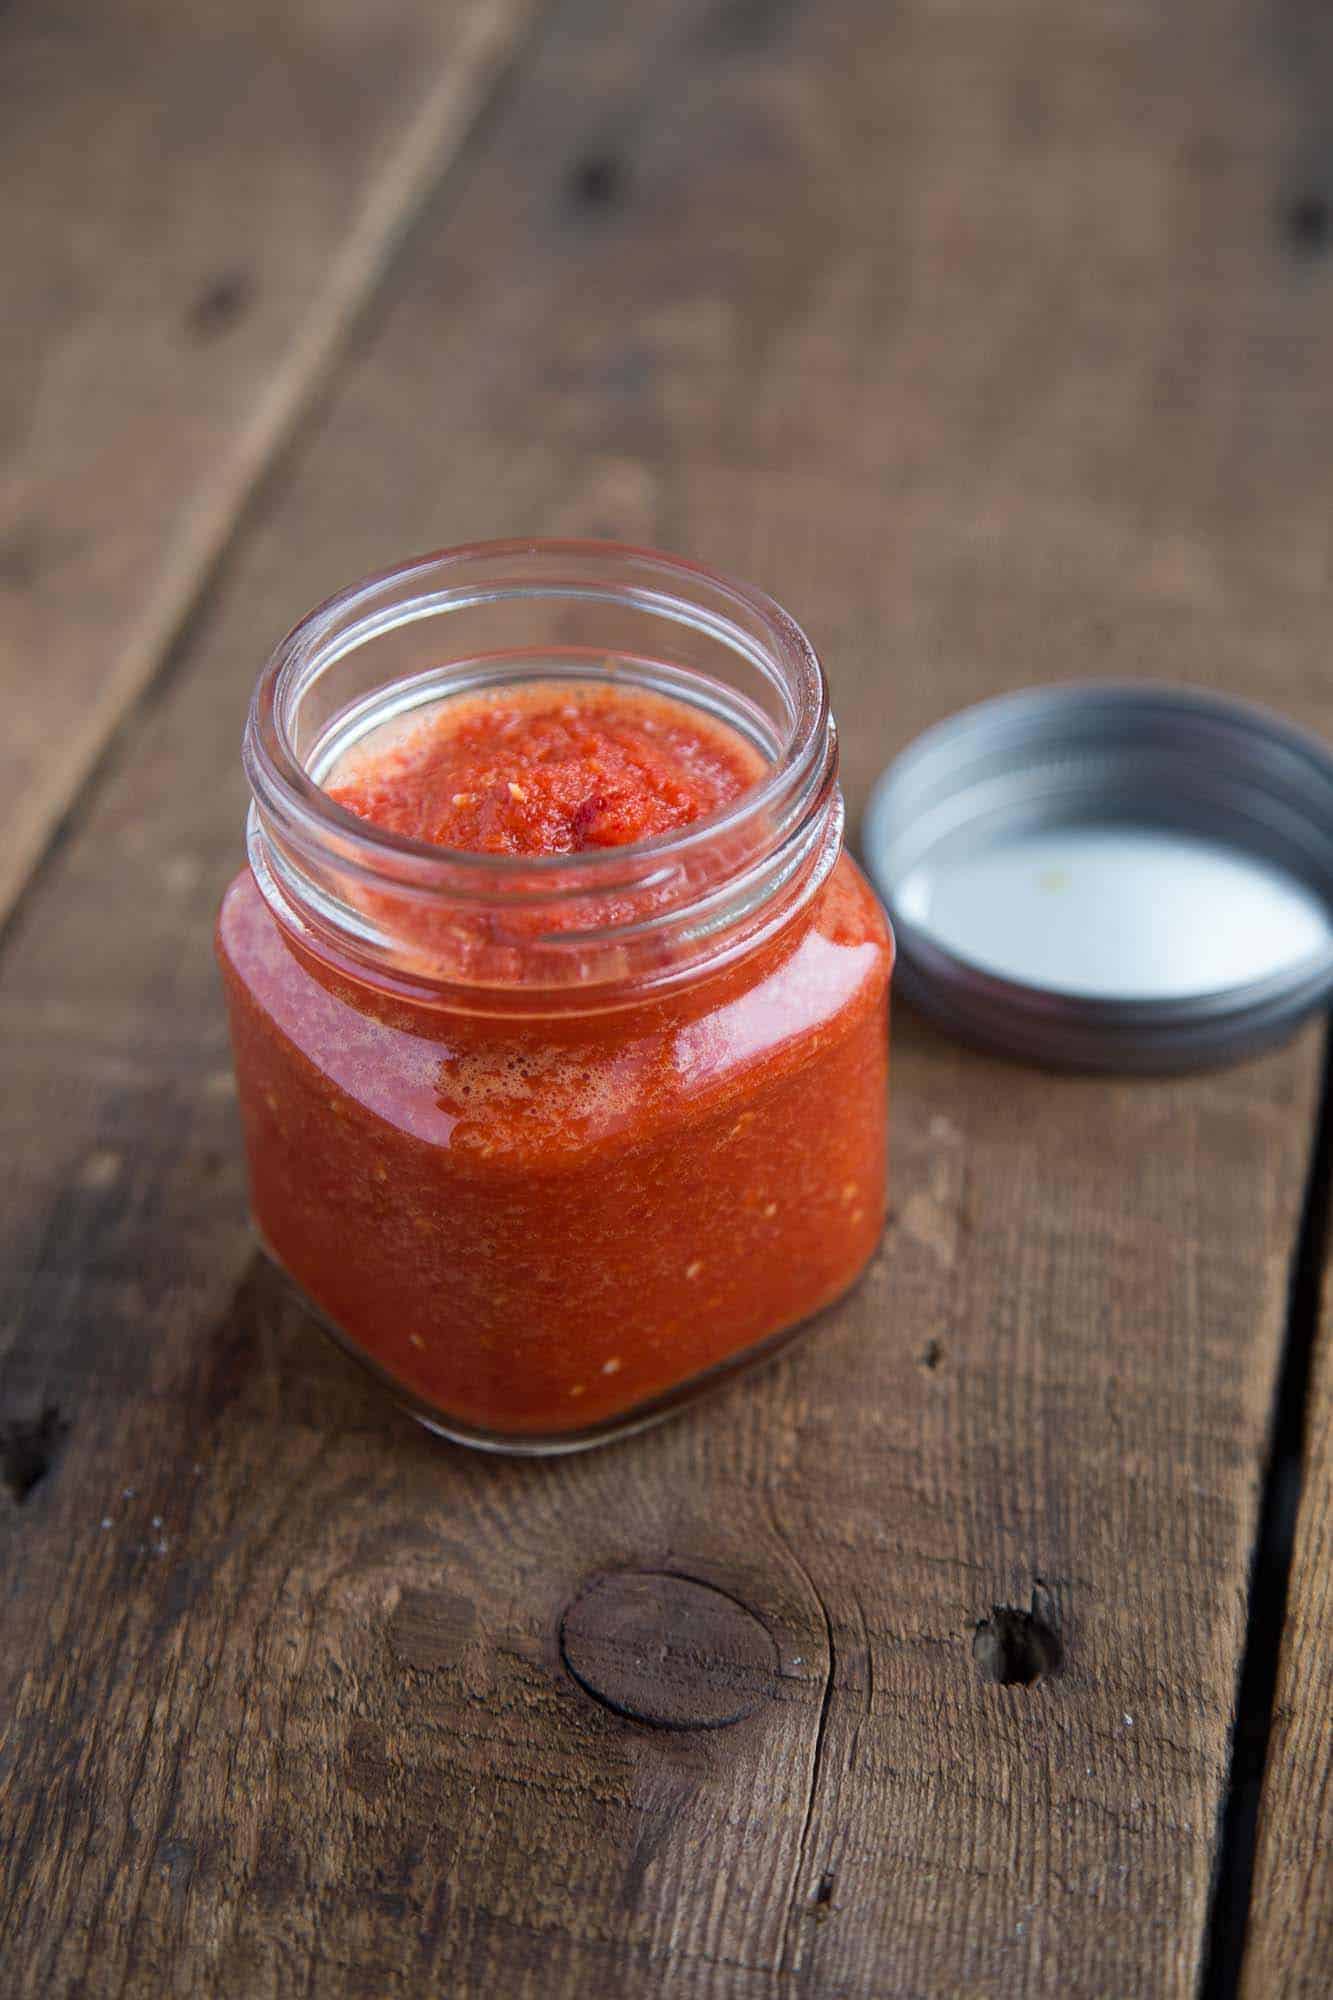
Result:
788,1954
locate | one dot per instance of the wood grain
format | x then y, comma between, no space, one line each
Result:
1289,1949
972,334
197,200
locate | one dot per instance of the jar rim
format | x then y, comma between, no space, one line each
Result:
284,788
580,929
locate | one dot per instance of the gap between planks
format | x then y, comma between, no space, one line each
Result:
1270,1570
492,41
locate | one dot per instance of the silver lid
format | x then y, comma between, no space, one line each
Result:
1110,877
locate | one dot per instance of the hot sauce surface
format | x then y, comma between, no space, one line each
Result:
539,1226
546,769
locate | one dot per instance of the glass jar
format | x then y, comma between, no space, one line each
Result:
552,1143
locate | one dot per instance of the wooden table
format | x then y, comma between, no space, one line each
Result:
996,340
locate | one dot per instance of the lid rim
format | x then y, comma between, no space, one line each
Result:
957,772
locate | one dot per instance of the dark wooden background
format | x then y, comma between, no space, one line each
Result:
997,340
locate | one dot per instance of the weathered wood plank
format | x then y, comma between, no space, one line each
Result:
197,199
1289,1949
952,328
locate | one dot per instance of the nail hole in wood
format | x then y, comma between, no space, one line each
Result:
597,180
28,1450
821,1908
932,1356
221,303
1015,1648
1306,221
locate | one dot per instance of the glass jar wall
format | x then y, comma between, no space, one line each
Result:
551,1141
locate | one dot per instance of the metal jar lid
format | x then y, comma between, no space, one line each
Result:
1110,877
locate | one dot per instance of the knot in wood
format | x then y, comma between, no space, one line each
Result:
668,1650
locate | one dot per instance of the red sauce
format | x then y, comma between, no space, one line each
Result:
538,1227
546,769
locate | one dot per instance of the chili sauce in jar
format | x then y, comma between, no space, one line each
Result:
559,1012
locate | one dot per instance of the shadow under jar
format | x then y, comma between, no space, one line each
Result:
554,1141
